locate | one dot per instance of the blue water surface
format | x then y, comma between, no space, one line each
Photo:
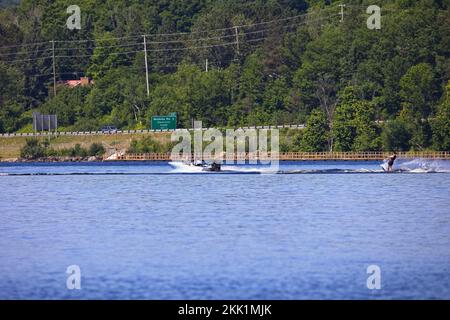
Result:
140,231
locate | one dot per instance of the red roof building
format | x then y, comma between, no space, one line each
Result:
83,81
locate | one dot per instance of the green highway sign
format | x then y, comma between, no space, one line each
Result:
164,122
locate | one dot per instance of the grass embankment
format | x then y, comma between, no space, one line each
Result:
10,146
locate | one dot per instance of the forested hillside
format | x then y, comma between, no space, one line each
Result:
233,63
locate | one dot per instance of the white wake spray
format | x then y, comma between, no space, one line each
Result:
419,165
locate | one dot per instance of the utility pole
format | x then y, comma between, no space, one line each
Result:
237,39
146,66
206,65
342,12
54,68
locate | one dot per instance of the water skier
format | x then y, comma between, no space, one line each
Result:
391,161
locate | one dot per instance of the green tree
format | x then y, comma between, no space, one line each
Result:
32,149
416,90
276,95
96,149
441,124
194,94
315,136
396,135
68,105
354,125
322,74
11,98
252,83
367,131
102,60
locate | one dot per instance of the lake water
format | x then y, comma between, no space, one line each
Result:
145,231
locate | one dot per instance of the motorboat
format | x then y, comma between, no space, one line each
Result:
196,166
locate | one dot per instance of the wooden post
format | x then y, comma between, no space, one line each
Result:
54,68
237,39
146,66
342,12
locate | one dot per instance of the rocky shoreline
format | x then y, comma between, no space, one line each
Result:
54,159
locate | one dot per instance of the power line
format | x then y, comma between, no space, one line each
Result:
229,28
26,52
131,45
240,35
188,33
23,60
151,65
155,63
100,55
105,47
99,40
160,35
24,45
51,74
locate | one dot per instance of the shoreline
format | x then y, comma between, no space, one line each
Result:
100,160
53,160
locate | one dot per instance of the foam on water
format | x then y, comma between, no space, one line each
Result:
419,165
180,167
237,169
403,166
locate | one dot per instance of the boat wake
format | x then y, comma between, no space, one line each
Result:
419,165
402,166
179,167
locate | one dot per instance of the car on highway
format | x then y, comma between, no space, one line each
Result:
109,129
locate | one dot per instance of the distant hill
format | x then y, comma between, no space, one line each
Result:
231,63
